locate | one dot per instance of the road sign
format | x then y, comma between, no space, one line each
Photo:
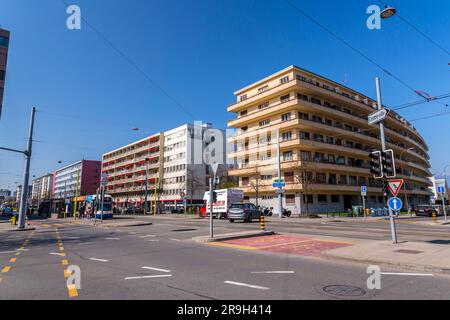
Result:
395,186
395,204
378,116
214,167
104,179
441,189
279,184
363,190
278,191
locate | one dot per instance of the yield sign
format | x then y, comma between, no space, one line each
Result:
395,186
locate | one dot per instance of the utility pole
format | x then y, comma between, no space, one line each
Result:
146,187
383,147
280,195
211,195
156,188
76,195
26,174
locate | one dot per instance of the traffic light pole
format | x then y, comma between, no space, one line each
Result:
211,195
383,147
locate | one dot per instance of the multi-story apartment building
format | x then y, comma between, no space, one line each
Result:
19,193
42,188
324,140
4,44
172,161
84,173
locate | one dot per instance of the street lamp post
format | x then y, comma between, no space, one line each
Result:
146,186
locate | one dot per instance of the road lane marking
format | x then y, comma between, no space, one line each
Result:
97,259
12,260
58,254
8,252
173,239
23,249
152,240
246,285
112,238
229,245
408,274
274,272
64,262
148,277
147,236
156,269
6,269
72,291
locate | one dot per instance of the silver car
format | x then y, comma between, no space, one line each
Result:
244,211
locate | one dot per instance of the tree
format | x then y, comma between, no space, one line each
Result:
193,183
302,177
255,183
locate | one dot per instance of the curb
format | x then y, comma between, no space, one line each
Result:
138,224
393,265
225,237
22,230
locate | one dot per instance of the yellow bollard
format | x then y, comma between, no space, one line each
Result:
261,222
434,217
13,220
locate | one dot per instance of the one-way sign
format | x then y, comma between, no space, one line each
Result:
378,116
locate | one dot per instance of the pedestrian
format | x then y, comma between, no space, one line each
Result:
81,211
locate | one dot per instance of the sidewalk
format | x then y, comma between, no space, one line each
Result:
417,256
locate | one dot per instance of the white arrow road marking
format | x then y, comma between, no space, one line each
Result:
246,285
147,277
156,269
97,259
275,272
408,274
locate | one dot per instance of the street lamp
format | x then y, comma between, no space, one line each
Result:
388,12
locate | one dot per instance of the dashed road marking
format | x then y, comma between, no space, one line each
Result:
12,260
246,285
408,274
173,239
58,254
112,238
97,259
148,236
273,272
6,269
156,269
153,240
148,277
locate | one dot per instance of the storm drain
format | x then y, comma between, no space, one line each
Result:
344,291
408,251
183,230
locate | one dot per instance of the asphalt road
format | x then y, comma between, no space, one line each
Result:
161,262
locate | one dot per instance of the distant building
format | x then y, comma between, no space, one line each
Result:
19,193
4,44
86,172
42,188
5,193
167,157
438,183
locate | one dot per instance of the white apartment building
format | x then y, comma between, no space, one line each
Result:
42,188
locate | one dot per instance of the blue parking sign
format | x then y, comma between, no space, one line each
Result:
441,189
363,190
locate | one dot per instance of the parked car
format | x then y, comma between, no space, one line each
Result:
7,212
244,211
177,210
426,210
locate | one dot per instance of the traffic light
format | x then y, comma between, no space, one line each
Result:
385,187
376,167
214,196
388,163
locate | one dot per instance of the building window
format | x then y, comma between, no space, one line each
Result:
321,177
284,80
289,177
290,199
304,135
286,117
243,113
263,105
243,97
303,116
264,123
286,136
305,155
4,41
2,75
322,198
262,89
285,98
287,156
245,181
335,198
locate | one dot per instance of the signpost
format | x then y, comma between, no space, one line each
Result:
395,205
183,197
363,196
441,191
378,116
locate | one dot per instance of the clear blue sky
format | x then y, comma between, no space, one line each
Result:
200,52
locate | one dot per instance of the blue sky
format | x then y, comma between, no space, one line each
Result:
200,52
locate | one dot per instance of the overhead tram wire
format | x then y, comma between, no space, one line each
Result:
134,65
419,102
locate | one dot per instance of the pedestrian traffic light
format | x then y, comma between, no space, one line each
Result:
376,167
385,187
214,196
388,163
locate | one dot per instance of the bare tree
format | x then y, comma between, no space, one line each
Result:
193,183
302,177
255,183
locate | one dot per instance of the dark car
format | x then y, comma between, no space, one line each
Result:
244,211
425,210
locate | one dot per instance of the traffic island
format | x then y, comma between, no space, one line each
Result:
232,236
415,256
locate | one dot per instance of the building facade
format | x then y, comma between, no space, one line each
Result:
434,189
85,174
4,45
170,161
324,140
19,194
42,188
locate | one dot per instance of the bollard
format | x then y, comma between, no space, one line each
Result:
261,222
434,217
13,220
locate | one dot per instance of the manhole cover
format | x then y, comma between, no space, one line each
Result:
408,251
344,291
183,230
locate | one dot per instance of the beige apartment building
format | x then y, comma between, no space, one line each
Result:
325,141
